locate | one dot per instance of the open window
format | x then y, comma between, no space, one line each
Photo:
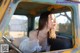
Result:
32,10
17,28
64,22
63,30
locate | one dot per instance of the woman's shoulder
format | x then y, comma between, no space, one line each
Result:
33,31
33,34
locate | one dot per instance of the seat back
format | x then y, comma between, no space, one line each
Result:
60,43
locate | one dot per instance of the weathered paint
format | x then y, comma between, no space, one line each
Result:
67,51
4,6
0,34
0,8
10,10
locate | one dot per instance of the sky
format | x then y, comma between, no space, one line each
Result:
21,17
62,19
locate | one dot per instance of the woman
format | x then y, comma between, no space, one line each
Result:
46,29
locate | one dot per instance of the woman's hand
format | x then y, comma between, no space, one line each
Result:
52,33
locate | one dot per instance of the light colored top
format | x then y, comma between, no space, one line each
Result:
29,46
41,37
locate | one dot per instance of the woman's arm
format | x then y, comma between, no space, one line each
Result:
32,35
48,48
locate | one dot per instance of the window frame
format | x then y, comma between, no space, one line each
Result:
3,8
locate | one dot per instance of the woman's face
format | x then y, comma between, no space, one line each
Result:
51,21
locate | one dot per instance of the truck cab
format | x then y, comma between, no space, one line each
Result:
19,17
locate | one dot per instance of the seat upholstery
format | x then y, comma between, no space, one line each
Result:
60,43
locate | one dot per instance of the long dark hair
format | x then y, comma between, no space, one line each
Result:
43,19
42,22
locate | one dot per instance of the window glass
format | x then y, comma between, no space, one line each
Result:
63,19
64,23
36,22
63,29
17,27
